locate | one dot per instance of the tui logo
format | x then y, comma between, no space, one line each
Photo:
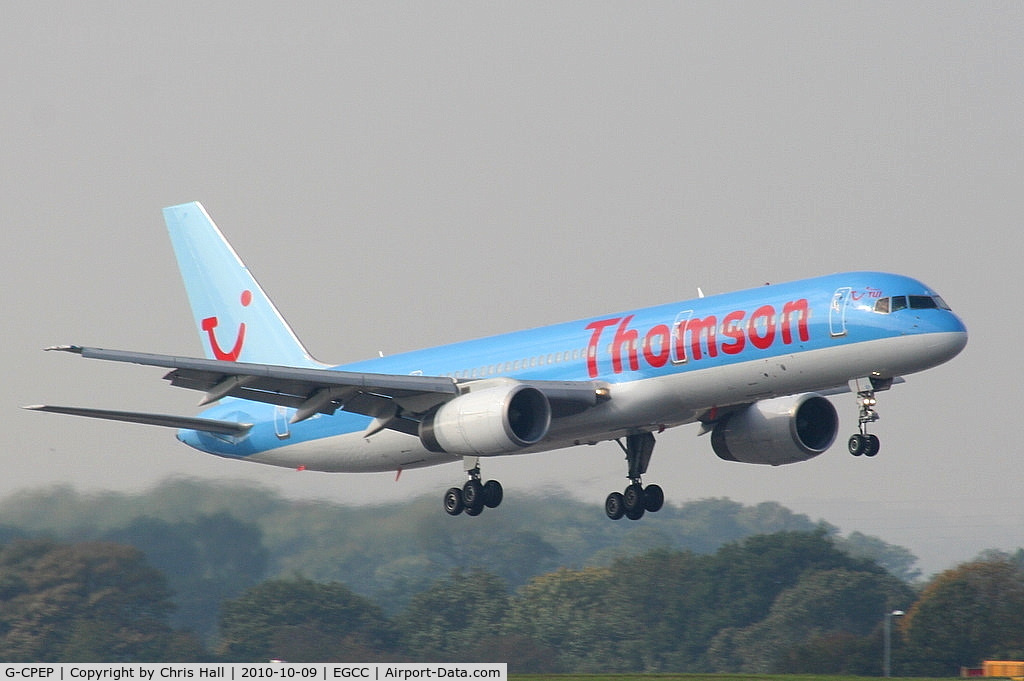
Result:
209,325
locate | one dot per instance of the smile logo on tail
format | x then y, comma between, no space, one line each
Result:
210,323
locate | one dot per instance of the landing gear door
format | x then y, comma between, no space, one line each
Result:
837,312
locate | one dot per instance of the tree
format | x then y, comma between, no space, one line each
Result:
663,599
84,602
303,621
206,560
388,552
663,610
822,605
965,615
896,559
748,576
448,620
569,611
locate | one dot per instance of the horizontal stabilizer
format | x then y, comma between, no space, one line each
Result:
191,423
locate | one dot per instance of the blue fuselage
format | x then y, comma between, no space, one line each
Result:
664,366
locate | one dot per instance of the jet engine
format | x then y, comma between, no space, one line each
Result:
777,431
494,420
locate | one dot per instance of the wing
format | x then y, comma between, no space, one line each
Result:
395,401
207,425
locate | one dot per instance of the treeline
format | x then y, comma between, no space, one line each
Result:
790,602
192,571
214,540
733,610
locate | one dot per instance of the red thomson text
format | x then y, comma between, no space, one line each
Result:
693,338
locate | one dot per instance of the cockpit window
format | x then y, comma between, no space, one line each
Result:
897,303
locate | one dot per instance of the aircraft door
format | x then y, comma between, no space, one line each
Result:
678,332
282,418
837,312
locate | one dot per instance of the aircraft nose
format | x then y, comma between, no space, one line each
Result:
951,343
947,339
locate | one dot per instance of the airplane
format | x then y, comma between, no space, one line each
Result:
754,368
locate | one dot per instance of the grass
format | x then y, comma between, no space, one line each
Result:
695,677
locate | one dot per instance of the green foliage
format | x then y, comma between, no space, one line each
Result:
751,574
965,615
586,594
570,611
833,654
206,560
742,608
790,601
896,559
302,621
447,621
389,553
834,608
83,602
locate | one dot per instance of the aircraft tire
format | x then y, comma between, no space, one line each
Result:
633,497
872,446
473,494
453,504
614,506
857,444
636,514
493,494
654,498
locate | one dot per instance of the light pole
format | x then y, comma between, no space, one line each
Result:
887,655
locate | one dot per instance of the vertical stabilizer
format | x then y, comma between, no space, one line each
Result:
235,318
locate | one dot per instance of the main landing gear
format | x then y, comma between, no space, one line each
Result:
864,443
636,499
475,495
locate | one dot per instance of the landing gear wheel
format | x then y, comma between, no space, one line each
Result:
864,443
654,498
636,513
857,444
473,495
453,504
615,506
633,498
493,494
872,446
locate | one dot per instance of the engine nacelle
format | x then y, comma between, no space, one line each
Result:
778,431
488,421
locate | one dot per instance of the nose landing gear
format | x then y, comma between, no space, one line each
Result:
863,443
636,499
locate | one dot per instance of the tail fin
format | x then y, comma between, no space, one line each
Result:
235,318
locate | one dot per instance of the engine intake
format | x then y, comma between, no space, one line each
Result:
488,421
777,431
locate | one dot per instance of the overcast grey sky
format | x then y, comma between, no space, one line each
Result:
403,175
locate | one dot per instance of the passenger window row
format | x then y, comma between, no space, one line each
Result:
528,363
